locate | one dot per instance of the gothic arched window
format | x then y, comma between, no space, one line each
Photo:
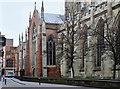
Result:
100,41
51,52
84,44
118,43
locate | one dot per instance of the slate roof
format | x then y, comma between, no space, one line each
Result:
52,18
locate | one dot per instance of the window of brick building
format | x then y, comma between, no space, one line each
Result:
9,63
51,52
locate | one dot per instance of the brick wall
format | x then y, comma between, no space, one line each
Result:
53,72
29,72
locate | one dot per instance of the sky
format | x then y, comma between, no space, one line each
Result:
14,15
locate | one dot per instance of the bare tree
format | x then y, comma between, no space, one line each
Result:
69,39
112,41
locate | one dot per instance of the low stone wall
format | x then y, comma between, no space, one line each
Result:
77,82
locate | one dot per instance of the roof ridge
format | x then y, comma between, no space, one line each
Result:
51,13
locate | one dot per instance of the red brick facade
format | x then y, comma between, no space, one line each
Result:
9,61
51,28
17,64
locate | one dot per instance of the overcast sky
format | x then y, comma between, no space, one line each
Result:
14,16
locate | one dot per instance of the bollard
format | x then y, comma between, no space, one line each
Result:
39,80
5,81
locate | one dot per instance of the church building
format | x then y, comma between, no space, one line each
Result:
40,45
95,39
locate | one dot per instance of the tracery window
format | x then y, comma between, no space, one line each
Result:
51,52
61,43
100,42
118,44
84,44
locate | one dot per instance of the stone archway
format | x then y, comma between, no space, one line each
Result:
33,71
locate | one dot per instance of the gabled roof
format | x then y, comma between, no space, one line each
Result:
52,18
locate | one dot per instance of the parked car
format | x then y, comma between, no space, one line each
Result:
9,75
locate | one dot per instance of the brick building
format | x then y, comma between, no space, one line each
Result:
40,45
20,56
9,57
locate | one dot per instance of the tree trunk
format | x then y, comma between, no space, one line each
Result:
114,70
115,62
72,70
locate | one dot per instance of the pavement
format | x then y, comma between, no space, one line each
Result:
0,85
12,82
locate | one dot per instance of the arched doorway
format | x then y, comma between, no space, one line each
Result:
33,71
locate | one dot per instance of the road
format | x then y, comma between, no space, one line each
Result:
12,82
